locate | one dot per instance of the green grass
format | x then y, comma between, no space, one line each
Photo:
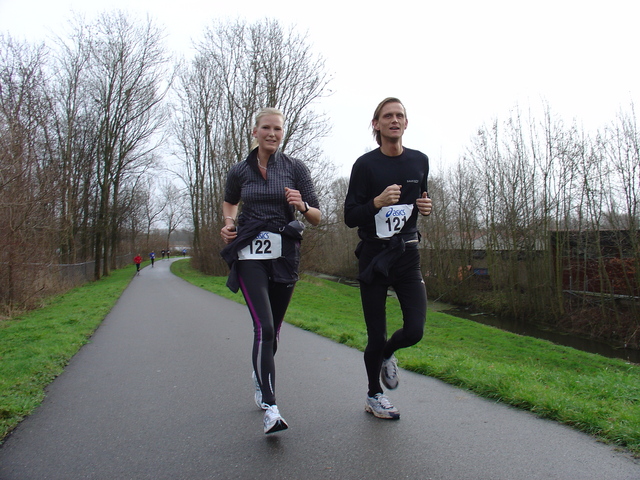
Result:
595,394
36,346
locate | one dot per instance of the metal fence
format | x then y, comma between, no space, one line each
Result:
21,284
78,273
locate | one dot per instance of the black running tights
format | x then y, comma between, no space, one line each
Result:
267,302
406,279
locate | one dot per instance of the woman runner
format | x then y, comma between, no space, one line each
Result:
263,244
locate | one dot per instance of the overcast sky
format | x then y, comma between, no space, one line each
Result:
456,65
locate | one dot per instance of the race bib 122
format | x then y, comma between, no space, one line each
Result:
266,246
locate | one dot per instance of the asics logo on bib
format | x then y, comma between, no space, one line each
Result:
263,236
395,212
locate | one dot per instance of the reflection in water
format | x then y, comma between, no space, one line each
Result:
530,330
522,328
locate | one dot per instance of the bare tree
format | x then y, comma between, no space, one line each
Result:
74,144
333,253
174,210
200,139
128,78
621,145
27,177
151,207
554,149
440,242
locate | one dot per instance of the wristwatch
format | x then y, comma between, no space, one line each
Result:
306,207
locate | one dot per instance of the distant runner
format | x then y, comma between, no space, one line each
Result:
137,260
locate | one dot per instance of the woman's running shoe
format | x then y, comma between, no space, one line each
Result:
258,393
273,421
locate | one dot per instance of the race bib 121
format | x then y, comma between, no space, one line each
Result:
390,220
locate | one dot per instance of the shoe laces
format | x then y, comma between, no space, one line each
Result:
384,401
391,367
272,410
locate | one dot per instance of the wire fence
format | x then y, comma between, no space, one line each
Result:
22,284
78,273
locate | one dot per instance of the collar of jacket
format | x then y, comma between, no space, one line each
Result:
252,158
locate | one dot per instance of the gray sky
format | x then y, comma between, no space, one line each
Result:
456,65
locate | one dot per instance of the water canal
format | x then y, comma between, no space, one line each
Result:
524,328
531,330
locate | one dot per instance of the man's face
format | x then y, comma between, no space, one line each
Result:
392,121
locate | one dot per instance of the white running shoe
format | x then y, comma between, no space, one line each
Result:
389,373
258,394
273,422
381,407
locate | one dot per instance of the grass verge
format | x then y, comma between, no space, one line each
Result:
36,346
595,394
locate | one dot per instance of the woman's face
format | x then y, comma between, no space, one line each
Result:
269,133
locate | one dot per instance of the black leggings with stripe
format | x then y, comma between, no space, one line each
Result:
267,302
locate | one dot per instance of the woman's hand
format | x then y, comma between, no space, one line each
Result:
230,213
294,198
228,233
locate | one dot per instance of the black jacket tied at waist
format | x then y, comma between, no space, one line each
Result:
285,268
391,250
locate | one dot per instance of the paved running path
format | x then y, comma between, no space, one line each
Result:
164,391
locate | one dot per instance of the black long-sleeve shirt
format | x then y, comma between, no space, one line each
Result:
371,174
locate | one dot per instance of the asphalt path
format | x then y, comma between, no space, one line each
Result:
164,391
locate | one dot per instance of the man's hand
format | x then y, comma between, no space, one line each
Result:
424,204
390,196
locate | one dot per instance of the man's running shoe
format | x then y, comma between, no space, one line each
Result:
381,407
258,394
389,373
273,422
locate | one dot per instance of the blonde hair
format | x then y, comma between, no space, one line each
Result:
263,113
376,115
